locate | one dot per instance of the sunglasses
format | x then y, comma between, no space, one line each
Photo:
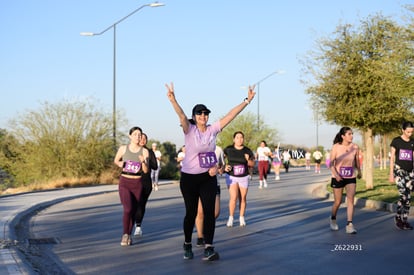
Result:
206,113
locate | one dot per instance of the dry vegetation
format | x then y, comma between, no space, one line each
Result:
109,177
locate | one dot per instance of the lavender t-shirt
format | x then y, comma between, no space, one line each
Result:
197,142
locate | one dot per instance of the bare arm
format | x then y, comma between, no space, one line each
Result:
392,164
333,162
118,157
144,158
357,164
236,110
250,159
177,108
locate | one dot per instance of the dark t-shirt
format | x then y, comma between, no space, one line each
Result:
403,153
236,159
152,161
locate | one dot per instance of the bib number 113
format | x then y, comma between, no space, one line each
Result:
207,159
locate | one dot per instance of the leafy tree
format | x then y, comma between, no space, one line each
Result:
66,139
7,155
169,160
169,168
252,138
363,79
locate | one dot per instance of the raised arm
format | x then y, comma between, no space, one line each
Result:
236,110
177,108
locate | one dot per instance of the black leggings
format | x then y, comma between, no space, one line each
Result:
192,188
146,192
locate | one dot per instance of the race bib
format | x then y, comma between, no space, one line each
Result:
239,169
346,172
207,159
131,166
406,155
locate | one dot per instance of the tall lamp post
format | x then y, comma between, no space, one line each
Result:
316,117
113,26
317,130
258,93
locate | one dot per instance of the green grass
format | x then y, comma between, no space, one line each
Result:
383,190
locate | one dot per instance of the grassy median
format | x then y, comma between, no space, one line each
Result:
383,190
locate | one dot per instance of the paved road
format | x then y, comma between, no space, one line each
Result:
14,208
287,232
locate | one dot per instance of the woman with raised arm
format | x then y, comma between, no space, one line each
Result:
199,168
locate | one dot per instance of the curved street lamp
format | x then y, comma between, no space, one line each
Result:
258,92
113,26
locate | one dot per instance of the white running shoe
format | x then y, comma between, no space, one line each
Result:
230,222
265,183
350,229
126,240
334,225
242,221
277,178
138,231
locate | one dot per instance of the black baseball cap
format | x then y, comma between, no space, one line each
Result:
199,108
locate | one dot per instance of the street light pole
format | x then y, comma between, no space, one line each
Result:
317,131
113,26
315,107
258,93
114,93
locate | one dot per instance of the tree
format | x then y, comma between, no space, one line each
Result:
67,139
363,79
247,124
7,142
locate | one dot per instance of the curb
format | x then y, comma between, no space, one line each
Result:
321,192
11,257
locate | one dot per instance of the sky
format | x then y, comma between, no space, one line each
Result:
209,49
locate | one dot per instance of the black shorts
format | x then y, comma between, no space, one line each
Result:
342,183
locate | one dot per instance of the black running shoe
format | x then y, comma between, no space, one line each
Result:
407,226
399,223
210,254
188,252
200,242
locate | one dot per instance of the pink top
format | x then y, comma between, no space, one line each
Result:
197,142
345,161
